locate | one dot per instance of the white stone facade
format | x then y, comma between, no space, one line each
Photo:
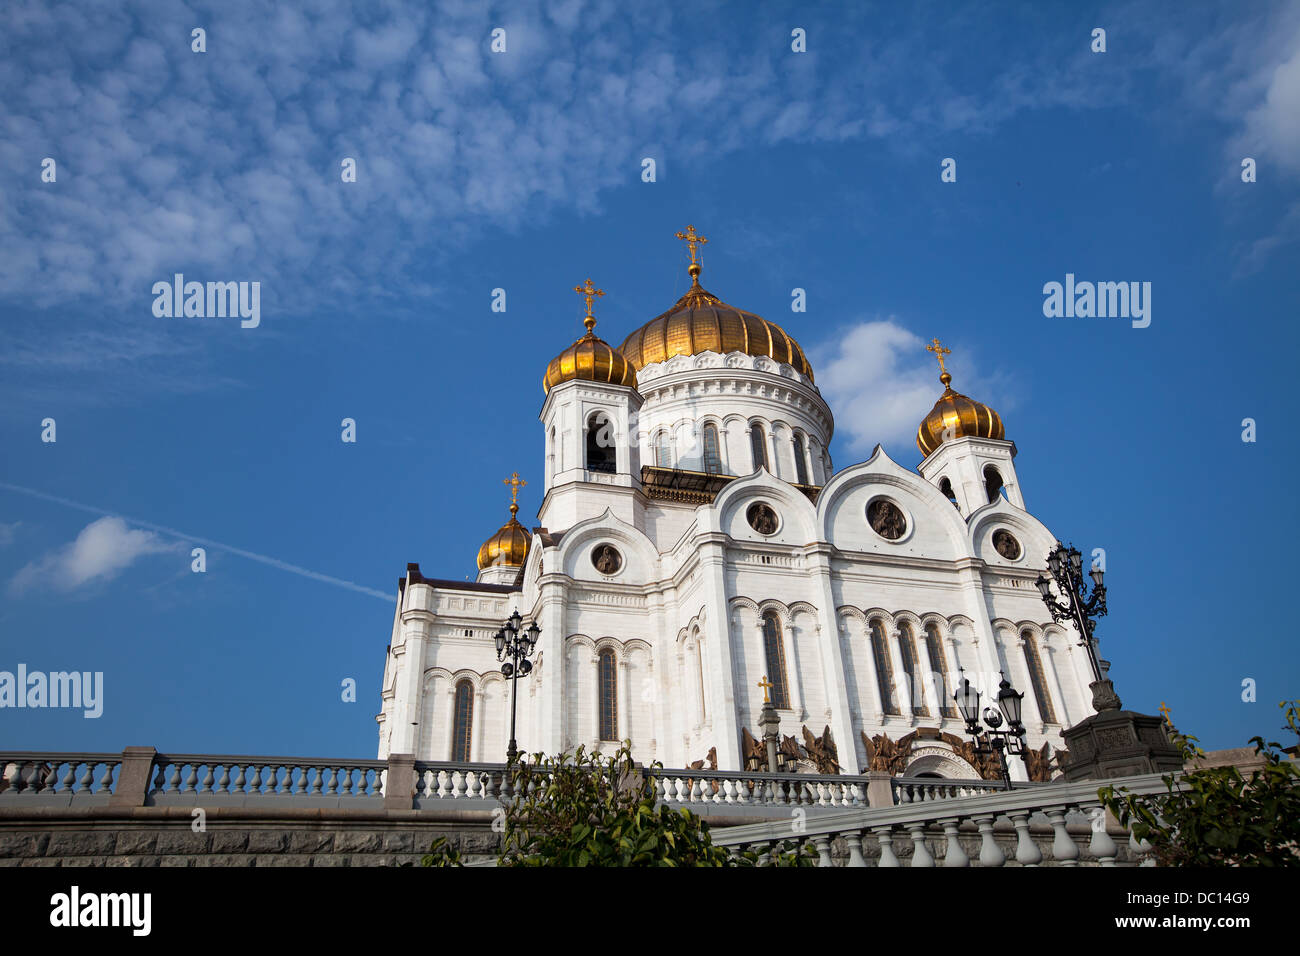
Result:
683,615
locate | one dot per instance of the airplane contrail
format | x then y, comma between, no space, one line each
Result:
161,529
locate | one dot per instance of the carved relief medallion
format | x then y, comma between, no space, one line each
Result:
1005,543
606,559
762,518
886,519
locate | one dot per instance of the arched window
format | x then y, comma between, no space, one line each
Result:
1037,679
464,719
774,648
884,670
663,451
712,457
601,454
939,667
992,482
800,466
608,696
757,446
945,486
907,651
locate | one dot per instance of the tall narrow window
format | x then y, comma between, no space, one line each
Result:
600,445
775,651
663,451
461,729
939,667
884,670
946,487
992,482
608,696
800,466
907,650
1037,679
758,446
712,456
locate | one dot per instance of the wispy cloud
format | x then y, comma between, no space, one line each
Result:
102,550
104,538
881,383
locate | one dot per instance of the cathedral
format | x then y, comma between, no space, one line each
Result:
695,550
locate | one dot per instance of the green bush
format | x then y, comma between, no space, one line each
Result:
583,809
1217,817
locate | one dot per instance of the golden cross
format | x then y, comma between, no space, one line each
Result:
765,684
691,239
590,292
939,352
515,483
1164,709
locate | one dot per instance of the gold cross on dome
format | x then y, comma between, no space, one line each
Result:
939,352
1164,709
589,292
692,240
765,684
515,483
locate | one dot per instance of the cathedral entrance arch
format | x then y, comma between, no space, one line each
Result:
938,762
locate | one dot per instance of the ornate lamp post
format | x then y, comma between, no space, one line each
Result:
515,642
992,740
1065,564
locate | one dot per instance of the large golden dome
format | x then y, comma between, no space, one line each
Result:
701,322
508,547
956,416
590,358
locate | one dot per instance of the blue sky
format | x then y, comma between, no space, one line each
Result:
522,171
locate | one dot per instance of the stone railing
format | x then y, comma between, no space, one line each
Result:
59,777
989,829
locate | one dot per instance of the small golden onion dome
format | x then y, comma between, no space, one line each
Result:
701,322
590,358
508,547
956,416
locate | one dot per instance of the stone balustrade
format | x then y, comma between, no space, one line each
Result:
985,830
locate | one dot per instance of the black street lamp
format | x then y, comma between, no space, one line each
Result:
1080,608
992,740
517,643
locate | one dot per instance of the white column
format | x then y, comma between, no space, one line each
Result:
837,693
1047,654
449,721
417,624
986,650
792,672
624,713
774,455
722,674
1027,687
552,733
595,699
902,682
478,727
724,451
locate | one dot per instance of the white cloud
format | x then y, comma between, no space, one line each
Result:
102,549
7,533
880,382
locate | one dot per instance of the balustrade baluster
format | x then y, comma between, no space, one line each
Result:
990,853
70,777
854,840
885,837
160,778
240,779
1027,852
332,788
1101,846
954,855
207,778
1064,850
223,785
87,779
106,782
1140,849
921,855
192,781
823,844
